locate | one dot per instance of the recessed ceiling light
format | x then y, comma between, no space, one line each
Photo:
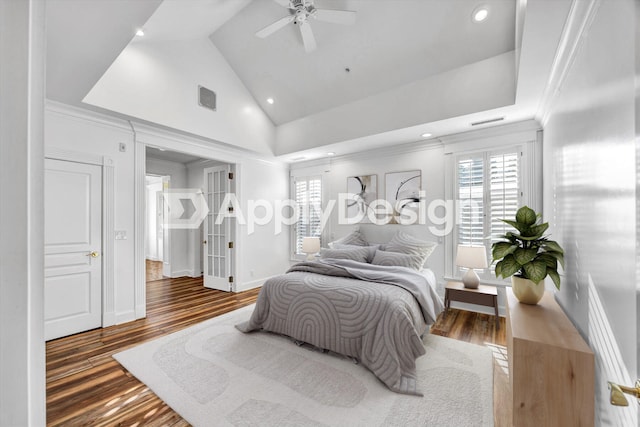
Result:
331,153
480,13
140,32
426,135
270,101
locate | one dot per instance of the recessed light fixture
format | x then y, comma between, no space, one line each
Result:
480,13
331,153
426,135
270,101
140,32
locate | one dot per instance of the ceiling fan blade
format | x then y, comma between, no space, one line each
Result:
307,37
272,28
345,17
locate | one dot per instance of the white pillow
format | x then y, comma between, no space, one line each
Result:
406,244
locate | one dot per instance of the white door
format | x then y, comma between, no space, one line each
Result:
217,254
73,244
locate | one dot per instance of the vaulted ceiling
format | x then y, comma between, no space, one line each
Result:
403,68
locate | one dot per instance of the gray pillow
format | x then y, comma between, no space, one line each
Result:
372,249
406,244
353,238
359,254
393,258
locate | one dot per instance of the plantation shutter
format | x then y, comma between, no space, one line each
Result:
488,190
471,196
504,191
308,198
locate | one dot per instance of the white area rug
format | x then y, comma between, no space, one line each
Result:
214,375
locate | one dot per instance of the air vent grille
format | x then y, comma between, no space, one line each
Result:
484,122
206,98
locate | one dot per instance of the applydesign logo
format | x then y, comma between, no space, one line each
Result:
186,208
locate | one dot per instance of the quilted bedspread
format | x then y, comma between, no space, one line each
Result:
376,314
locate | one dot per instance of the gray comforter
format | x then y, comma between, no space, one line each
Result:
373,313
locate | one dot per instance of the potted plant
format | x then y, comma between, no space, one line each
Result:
527,256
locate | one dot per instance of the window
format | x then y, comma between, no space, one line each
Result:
307,194
488,190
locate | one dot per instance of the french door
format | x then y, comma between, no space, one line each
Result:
218,242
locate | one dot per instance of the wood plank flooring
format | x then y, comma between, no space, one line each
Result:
86,386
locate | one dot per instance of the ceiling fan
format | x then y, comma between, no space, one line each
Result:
299,13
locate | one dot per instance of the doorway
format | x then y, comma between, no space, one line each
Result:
171,250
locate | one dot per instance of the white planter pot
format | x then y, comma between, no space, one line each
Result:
527,291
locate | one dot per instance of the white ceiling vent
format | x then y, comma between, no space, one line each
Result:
206,98
484,122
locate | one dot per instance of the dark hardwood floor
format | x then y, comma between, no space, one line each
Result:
86,386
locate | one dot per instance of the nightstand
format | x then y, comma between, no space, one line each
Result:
485,295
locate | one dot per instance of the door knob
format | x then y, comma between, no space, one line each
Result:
204,242
617,393
93,254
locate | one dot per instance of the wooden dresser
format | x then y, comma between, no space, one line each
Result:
551,368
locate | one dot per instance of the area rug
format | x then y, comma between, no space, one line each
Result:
213,375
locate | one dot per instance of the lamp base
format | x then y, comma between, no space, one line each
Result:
311,256
471,279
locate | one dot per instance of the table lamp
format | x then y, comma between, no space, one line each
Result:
310,246
471,257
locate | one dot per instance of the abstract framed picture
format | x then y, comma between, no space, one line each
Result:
402,190
362,190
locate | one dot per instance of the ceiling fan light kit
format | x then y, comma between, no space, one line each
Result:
299,13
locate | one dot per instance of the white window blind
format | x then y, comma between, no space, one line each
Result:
488,190
307,192
471,197
504,192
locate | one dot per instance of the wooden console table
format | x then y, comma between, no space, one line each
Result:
551,368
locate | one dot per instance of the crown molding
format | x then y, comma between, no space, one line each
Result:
577,25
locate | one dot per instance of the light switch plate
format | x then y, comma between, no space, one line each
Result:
121,235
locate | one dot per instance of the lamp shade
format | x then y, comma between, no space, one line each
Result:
310,245
471,256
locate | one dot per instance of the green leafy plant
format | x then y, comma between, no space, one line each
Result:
527,253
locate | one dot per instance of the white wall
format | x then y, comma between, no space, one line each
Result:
590,171
428,158
89,134
264,253
260,254
22,350
74,130
158,82
481,86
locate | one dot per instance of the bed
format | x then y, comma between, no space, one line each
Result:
360,301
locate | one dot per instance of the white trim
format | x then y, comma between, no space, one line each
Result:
492,138
183,273
108,223
251,285
83,115
125,317
579,20
74,156
108,243
140,280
